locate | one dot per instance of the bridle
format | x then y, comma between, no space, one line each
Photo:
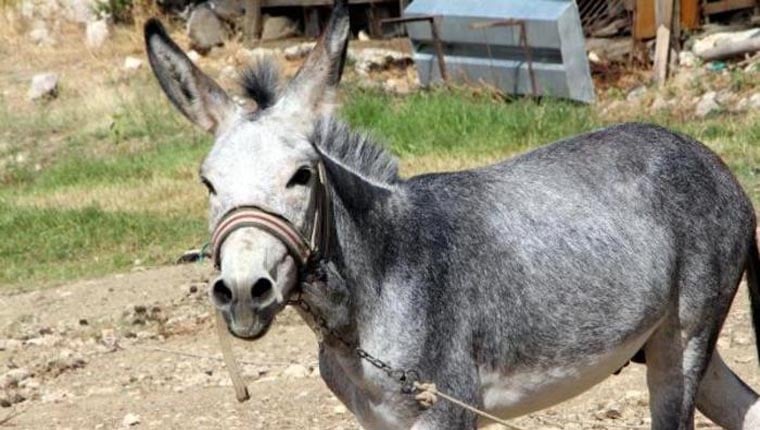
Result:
304,249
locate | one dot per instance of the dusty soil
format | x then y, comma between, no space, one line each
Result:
108,352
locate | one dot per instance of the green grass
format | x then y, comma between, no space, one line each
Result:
146,144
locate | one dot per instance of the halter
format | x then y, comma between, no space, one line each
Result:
303,250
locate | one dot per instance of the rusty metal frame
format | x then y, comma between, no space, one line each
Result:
433,21
482,25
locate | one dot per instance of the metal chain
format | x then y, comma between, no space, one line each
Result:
405,377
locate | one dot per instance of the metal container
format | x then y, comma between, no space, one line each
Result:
477,52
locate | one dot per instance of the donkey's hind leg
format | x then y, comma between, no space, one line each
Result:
677,356
726,399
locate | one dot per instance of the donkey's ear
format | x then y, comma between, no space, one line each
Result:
313,85
196,95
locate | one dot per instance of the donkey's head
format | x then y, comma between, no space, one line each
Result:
261,158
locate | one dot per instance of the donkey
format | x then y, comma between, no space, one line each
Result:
512,287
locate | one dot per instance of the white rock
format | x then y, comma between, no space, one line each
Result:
193,56
594,57
723,38
687,59
10,344
363,36
132,63
636,94
296,52
96,33
41,36
12,377
295,371
707,104
278,27
44,85
753,102
130,419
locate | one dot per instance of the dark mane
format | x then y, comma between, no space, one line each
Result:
334,139
260,82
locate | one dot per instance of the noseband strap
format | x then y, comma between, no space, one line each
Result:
300,248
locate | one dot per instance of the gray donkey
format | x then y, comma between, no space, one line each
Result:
512,287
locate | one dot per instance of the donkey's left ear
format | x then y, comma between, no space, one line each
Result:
196,95
313,85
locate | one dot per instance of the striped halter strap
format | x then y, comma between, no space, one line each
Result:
301,248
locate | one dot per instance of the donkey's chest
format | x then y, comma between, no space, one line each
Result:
511,394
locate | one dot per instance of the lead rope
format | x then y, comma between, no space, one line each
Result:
241,391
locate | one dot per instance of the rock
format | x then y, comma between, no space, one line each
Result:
660,103
228,10
594,57
610,49
397,86
205,29
378,59
299,51
12,377
363,36
41,36
96,33
722,38
44,86
193,56
707,104
278,27
132,63
687,59
10,344
295,371
340,410
130,419
636,94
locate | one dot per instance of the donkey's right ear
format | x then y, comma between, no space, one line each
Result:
196,95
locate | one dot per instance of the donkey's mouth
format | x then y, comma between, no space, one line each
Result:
256,329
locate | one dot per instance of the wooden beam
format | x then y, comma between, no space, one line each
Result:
727,5
252,21
664,14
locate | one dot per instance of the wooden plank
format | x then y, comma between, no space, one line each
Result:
309,3
664,10
252,21
727,5
689,14
643,23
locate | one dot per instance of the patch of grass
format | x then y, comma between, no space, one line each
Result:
456,123
44,245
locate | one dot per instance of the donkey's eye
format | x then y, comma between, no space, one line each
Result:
302,177
208,186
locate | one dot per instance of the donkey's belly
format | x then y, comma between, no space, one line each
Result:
513,394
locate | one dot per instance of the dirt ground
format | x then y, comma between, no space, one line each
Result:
138,349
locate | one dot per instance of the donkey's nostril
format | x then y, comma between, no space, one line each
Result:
261,289
221,293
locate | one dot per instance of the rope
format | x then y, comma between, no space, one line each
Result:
241,392
429,393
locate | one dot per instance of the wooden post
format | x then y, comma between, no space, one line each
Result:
664,16
252,21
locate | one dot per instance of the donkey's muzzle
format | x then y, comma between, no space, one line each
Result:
248,312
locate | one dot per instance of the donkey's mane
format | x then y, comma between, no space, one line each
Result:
356,151
260,82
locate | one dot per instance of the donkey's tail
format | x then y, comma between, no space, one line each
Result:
753,283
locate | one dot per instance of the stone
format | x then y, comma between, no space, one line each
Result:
193,56
636,94
43,86
41,36
10,344
707,104
299,51
687,59
130,420
205,29
363,36
660,103
96,33
12,377
278,27
228,10
722,38
397,86
132,64
379,59
295,371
